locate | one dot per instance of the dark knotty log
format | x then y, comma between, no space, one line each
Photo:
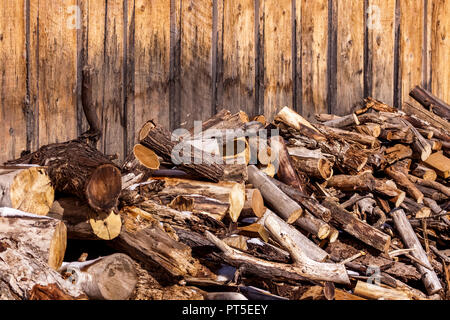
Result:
428,100
82,222
425,173
78,169
311,250
310,204
283,164
159,140
399,173
26,189
107,278
411,241
316,168
45,237
24,276
357,228
306,270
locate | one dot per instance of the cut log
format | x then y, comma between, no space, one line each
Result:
420,211
399,173
254,204
411,241
80,220
28,190
287,208
420,145
422,113
108,278
341,122
396,153
76,168
226,192
349,135
357,228
188,158
24,276
370,129
255,230
372,291
296,121
311,250
273,270
316,168
424,173
431,184
45,237
430,101
440,163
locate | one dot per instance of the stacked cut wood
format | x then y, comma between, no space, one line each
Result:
346,207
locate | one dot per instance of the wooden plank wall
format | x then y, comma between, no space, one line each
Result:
179,61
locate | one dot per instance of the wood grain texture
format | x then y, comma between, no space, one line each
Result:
314,57
278,83
152,61
56,69
238,56
440,49
411,42
113,99
195,61
350,56
381,37
13,74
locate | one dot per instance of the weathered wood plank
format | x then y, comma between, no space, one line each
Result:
440,49
278,83
314,57
56,67
113,100
238,56
350,56
129,78
411,42
380,26
195,61
13,73
152,61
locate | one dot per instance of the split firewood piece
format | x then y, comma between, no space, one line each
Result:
310,204
420,144
231,193
428,100
357,228
430,184
420,211
143,239
296,121
28,189
254,204
397,152
349,135
224,119
305,270
399,173
255,230
373,291
432,204
107,278
341,122
83,223
305,153
283,164
440,163
316,168
409,237
24,276
44,237
76,168
142,161
311,250
370,129
159,140
424,172
349,157
375,105
214,208
287,208
428,116
261,118
422,124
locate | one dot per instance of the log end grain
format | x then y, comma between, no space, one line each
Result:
146,157
104,187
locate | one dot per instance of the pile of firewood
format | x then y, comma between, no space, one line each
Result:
348,208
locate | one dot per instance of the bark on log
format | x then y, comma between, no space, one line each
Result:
341,122
296,121
274,270
45,237
431,184
399,173
77,169
107,278
24,276
159,140
311,250
363,139
316,168
357,228
411,241
425,173
430,101
426,115
28,190
370,129
420,211
254,204
420,144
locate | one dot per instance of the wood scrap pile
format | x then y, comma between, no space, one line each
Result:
348,208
